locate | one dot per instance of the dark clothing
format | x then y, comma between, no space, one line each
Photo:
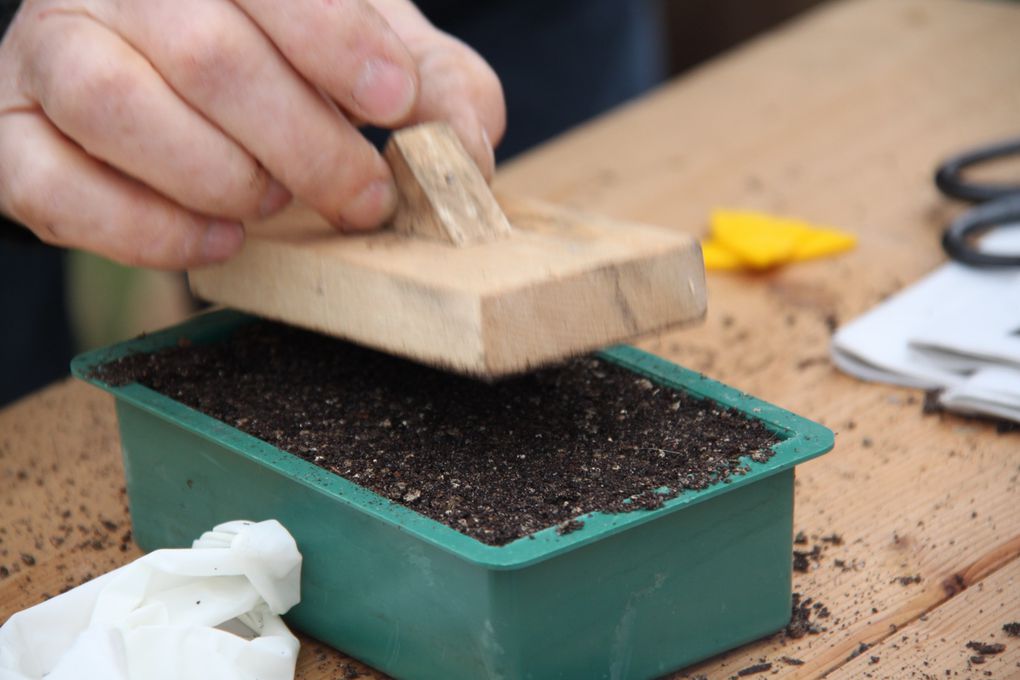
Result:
560,61
36,338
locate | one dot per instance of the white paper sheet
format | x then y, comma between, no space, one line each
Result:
957,329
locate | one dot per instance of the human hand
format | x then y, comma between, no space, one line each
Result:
146,130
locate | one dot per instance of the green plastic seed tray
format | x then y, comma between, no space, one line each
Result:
632,595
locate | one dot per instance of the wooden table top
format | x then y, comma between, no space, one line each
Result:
839,118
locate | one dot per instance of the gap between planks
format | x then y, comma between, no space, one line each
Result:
935,645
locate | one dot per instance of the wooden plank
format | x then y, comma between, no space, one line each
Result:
561,283
838,118
936,647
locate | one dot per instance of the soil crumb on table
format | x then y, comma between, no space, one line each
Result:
496,461
755,669
803,617
987,648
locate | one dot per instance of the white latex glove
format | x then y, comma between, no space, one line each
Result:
159,617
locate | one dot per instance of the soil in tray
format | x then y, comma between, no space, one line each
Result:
496,461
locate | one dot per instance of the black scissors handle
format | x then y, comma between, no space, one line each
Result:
1000,205
956,240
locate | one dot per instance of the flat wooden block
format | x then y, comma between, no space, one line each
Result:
559,284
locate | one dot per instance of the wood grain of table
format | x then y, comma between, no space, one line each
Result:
838,117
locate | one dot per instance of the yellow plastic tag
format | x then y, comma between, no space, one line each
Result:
718,257
740,239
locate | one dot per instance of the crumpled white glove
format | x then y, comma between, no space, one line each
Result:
169,615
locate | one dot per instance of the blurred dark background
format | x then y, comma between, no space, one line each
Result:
697,30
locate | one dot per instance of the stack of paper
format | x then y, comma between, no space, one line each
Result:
957,330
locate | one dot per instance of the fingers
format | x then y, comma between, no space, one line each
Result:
104,95
455,84
348,50
226,68
385,64
70,199
358,56
460,88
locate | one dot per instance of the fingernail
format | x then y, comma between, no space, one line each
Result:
374,204
222,239
490,168
275,198
384,92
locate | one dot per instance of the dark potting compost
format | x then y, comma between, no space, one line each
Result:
496,461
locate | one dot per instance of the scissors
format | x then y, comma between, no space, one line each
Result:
998,205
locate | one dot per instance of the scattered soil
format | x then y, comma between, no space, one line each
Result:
802,559
804,610
931,405
832,539
1012,629
986,648
861,648
755,669
496,461
330,666
569,527
907,580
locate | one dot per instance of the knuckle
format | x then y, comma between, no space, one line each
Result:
208,54
26,188
90,93
467,80
103,81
